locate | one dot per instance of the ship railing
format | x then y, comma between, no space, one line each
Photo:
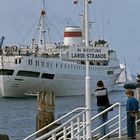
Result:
75,126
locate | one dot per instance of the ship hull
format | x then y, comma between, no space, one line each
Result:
61,77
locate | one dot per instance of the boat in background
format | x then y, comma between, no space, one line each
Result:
124,78
125,75
47,67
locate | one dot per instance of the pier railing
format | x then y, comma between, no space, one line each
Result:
72,127
124,128
75,126
118,117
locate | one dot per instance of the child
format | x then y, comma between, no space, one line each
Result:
132,108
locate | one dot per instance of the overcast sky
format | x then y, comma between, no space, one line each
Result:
117,21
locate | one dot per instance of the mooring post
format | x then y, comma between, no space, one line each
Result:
46,111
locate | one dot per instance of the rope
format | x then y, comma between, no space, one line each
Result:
19,38
27,34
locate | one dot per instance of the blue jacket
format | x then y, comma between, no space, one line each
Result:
132,104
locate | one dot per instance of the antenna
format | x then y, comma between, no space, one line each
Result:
103,25
83,17
42,38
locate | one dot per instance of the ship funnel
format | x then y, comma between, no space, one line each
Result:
73,36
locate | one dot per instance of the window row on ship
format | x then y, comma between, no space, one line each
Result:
34,74
63,65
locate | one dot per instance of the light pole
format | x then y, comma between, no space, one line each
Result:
87,78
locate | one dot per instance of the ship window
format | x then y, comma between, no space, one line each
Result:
47,64
15,61
83,62
42,64
6,72
47,76
29,62
28,73
20,61
61,65
56,65
110,72
37,63
98,63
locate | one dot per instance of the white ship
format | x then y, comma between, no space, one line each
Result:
47,67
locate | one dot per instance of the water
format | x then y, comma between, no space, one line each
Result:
18,115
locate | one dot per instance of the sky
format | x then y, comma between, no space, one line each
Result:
117,21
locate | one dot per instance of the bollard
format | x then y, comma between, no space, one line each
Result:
46,111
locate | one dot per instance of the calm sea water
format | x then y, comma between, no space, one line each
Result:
18,115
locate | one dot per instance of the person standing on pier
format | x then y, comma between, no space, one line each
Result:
132,108
102,103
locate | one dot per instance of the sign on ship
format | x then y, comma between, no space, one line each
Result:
90,53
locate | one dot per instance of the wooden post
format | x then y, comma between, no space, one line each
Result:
46,111
4,137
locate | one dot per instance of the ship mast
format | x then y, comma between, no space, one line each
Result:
42,36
